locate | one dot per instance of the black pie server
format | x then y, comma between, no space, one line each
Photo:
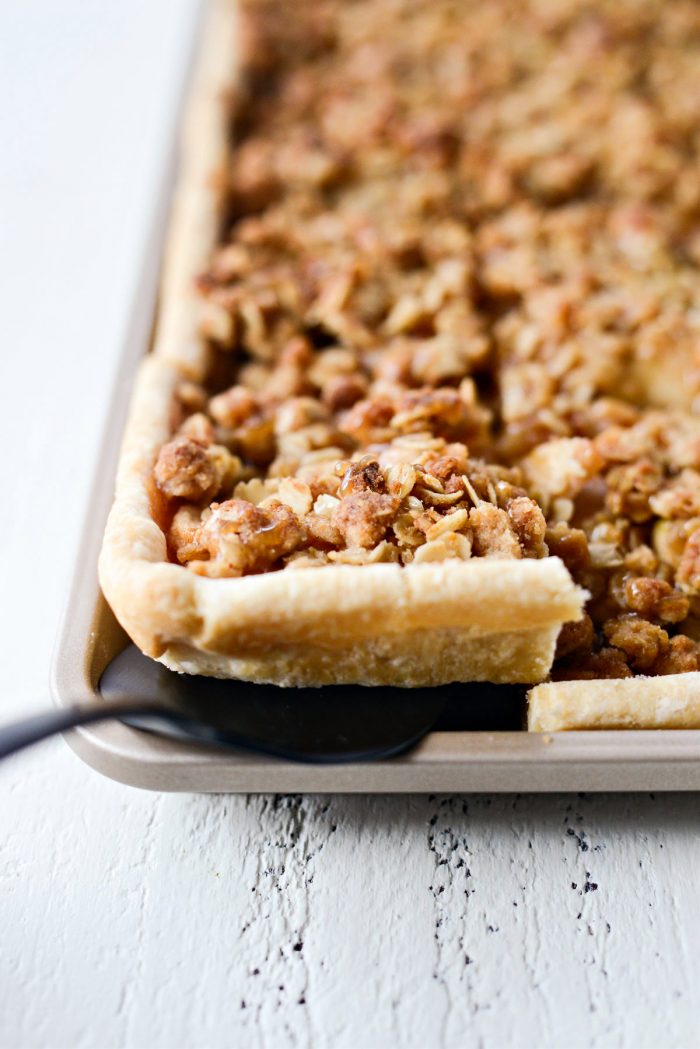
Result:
340,723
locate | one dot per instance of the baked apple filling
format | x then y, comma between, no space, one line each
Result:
455,309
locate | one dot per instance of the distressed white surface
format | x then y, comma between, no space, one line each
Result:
128,919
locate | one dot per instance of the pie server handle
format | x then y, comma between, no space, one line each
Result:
21,734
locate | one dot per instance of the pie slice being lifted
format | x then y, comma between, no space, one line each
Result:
426,356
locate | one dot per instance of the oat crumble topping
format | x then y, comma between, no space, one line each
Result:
455,311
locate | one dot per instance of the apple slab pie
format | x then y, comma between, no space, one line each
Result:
421,402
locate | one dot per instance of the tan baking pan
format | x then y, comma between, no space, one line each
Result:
445,761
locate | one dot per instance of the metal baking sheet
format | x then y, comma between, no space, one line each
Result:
444,761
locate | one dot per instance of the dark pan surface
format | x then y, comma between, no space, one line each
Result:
331,724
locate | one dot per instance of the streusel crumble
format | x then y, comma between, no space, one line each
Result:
455,310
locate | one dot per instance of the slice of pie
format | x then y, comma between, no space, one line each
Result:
427,355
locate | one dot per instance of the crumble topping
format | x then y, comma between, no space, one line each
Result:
455,310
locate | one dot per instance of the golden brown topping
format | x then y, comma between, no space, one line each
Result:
401,479
450,468
575,637
296,413
241,538
605,663
530,526
656,599
192,396
296,494
183,536
364,476
642,560
342,391
233,408
682,657
255,440
669,539
629,488
445,547
322,530
561,468
679,498
363,518
442,411
688,574
571,545
185,469
368,421
493,532
642,642
199,428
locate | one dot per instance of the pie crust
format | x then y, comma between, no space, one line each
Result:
671,702
372,624
369,624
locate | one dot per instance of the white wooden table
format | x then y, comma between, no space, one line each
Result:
129,919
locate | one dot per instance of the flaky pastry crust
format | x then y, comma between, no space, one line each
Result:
369,624
418,624
671,702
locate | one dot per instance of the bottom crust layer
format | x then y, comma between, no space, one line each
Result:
671,702
418,659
